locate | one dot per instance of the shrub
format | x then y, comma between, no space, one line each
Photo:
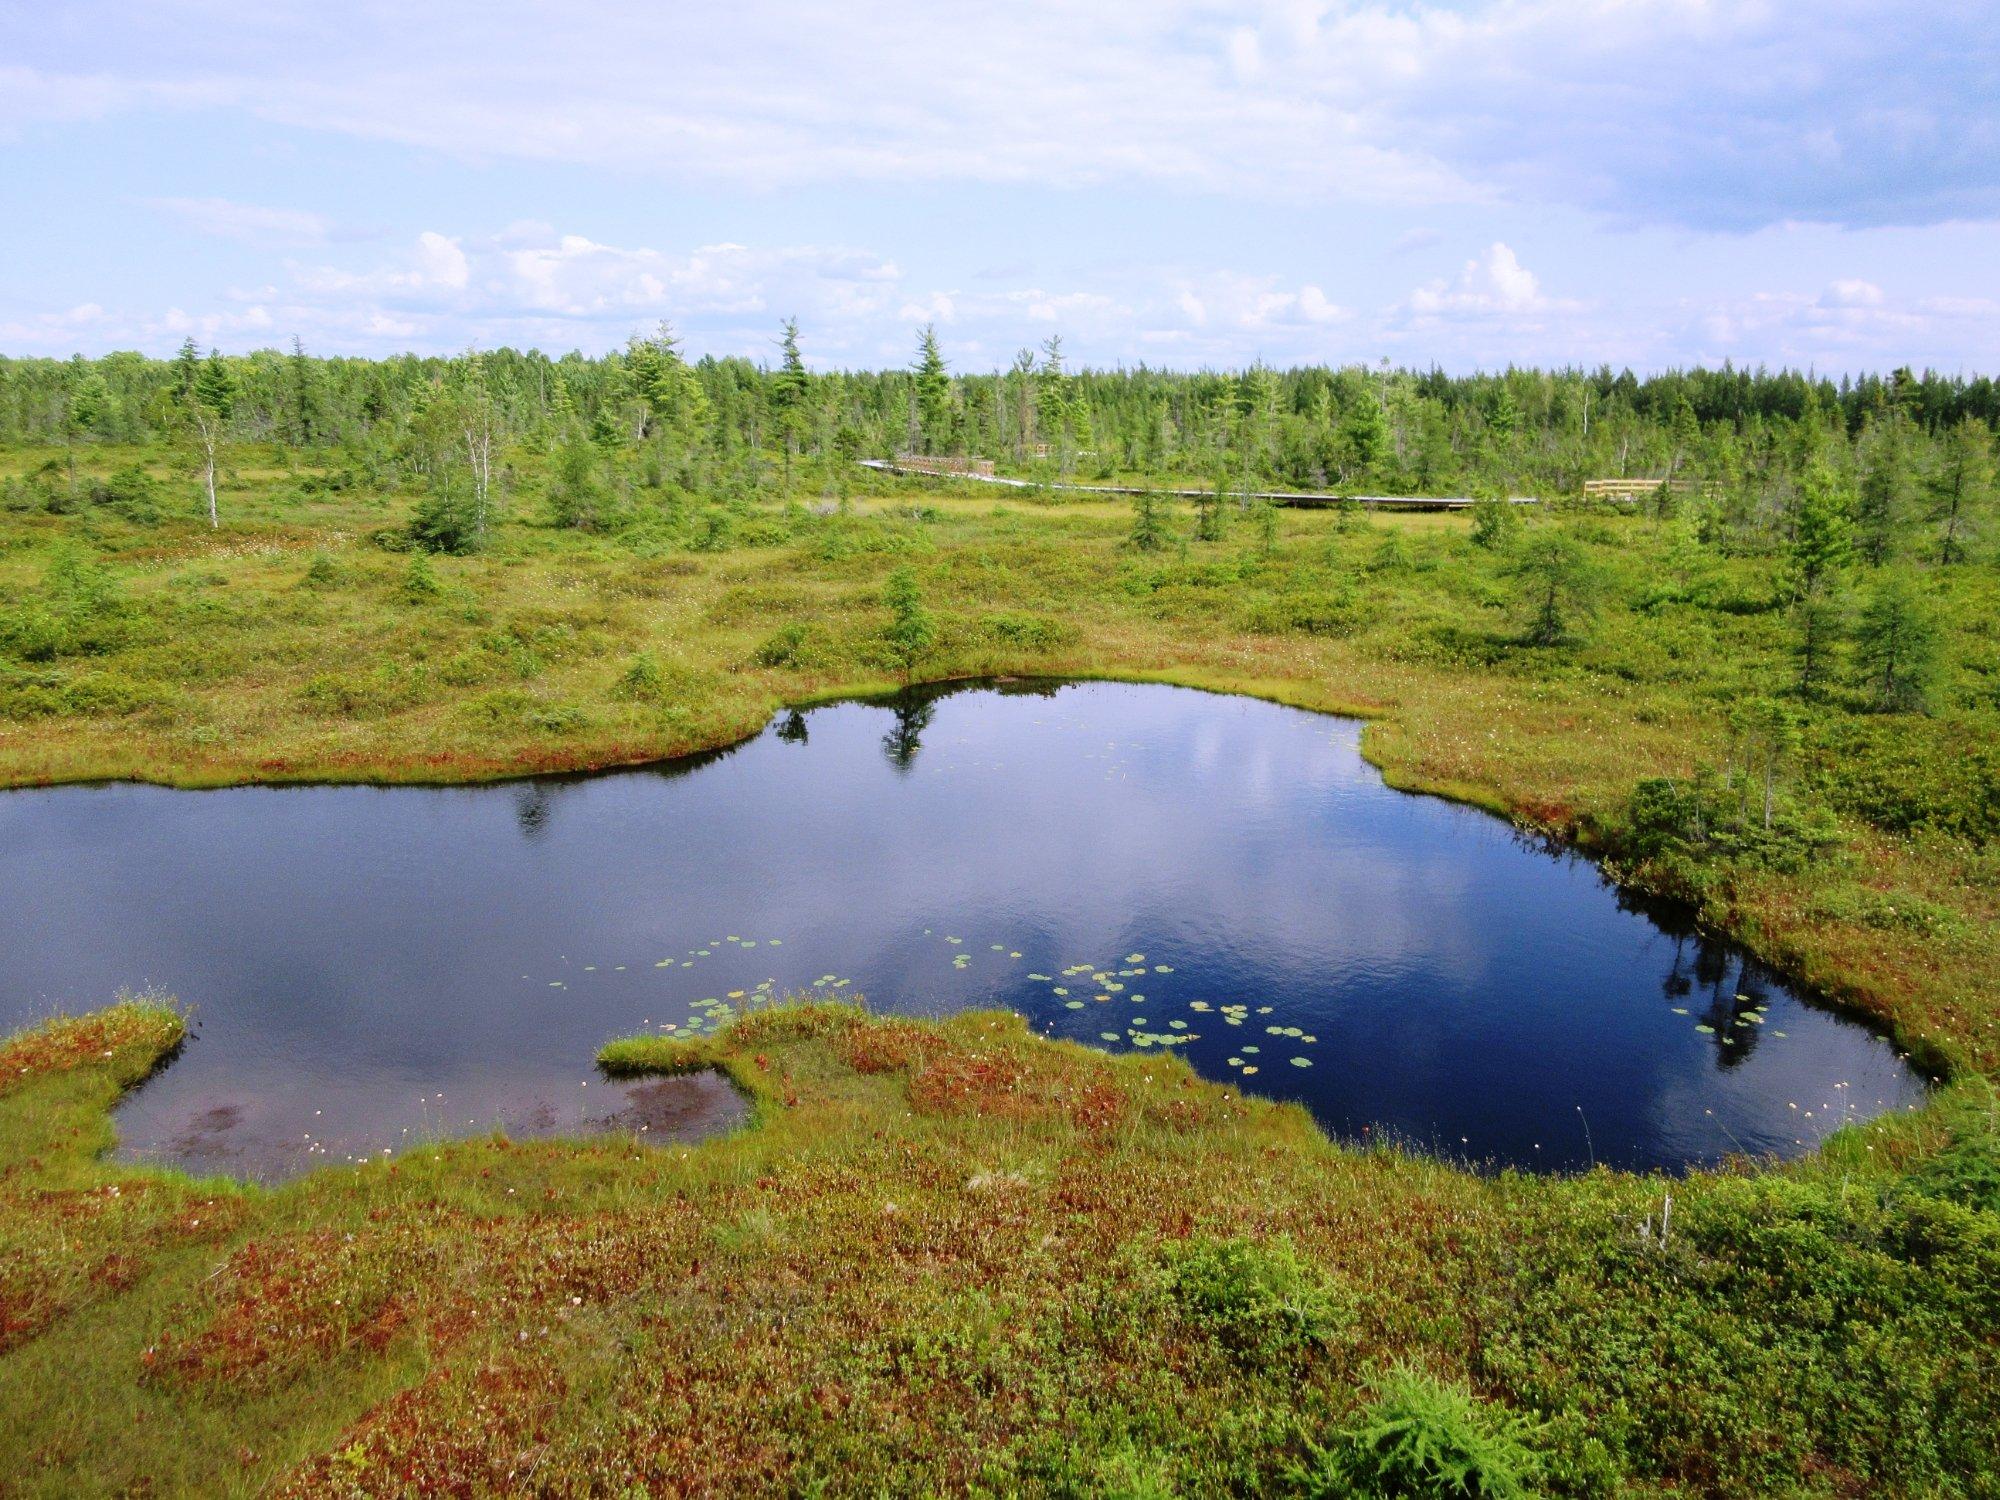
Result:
107,693
1324,612
1966,1171
30,695
444,521
797,644
1682,826
1030,632
643,678
763,531
1495,523
1422,1436
353,695
421,581
78,614
32,633
323,572
511,708
714,530
843,536
132,493
1256,1300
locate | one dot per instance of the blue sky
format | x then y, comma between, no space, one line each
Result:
1642,182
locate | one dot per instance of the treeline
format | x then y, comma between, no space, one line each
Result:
1906,457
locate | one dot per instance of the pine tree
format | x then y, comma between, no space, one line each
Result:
670,392
303,398
1818,619
1208,511
187,369
1056,404
1364,433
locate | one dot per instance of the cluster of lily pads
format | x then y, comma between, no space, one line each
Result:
1110,985
1076,987
1754,1016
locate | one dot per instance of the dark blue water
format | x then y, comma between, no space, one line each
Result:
1128,866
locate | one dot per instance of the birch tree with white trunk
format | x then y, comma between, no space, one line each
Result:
209,400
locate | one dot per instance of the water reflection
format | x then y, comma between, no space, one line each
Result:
532,801
1131,867
912,714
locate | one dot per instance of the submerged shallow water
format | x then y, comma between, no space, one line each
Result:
1128,866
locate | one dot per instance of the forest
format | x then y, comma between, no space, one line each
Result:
718,425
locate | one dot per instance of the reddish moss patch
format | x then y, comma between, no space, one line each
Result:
96,1040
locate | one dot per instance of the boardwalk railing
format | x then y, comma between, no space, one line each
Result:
932,463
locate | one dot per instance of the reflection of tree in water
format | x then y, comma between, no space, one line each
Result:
792,728
1722,977
913,716
914,708
532,804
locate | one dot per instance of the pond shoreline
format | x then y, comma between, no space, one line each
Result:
1565,830
1289,985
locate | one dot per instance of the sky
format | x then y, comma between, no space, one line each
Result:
1644,183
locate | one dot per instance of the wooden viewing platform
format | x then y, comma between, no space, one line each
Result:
1633,489
1310,500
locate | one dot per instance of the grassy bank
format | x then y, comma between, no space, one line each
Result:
952,1257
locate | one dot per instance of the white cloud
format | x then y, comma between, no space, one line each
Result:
534,285
251,223
439,261
1848,325
63,330
1224,301
1492,284
1853,292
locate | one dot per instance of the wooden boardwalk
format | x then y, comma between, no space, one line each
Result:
1305,501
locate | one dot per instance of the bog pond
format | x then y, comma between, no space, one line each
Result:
1131,867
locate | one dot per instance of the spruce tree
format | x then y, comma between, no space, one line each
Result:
1962,490
933,393
1888,491
1822,533
1897,647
